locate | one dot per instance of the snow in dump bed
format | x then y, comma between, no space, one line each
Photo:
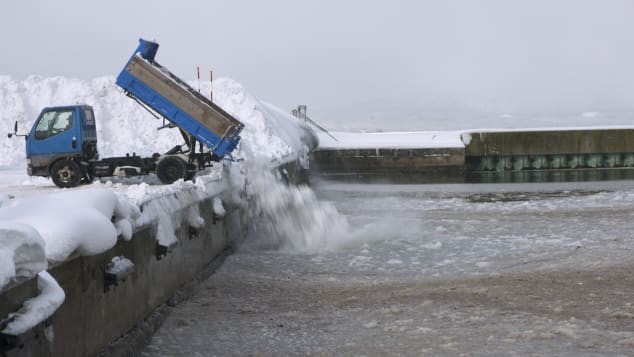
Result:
37,309
391,140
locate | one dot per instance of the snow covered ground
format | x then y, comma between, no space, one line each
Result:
41,225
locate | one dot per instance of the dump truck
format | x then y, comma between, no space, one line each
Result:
62,144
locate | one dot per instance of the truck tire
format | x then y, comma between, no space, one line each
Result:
170,169
66,173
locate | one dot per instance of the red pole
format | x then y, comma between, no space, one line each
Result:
211,90
198,75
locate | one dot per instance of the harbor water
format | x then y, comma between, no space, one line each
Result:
411,269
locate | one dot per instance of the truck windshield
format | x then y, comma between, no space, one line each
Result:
53,122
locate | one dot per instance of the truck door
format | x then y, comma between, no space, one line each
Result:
56,133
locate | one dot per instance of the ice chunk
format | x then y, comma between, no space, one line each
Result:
120,266
219,209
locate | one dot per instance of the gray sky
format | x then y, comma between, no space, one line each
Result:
378,62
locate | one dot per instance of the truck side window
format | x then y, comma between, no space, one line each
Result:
53,122
89,119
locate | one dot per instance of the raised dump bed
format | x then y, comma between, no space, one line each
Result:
155,86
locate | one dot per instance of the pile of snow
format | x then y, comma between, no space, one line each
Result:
270,134
71,220
123,126
169,206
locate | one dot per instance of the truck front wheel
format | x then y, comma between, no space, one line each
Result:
66,173
170,169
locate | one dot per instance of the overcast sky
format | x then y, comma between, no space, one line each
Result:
381,61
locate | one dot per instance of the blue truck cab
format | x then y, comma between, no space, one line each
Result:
61,135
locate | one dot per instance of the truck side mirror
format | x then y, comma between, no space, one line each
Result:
15,131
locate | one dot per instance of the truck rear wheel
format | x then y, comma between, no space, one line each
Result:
66,173
170,169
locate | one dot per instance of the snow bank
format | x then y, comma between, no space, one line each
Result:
124,127
71,221
270,134
171,205
35,310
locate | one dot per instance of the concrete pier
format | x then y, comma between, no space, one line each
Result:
549,150
428,164
490,156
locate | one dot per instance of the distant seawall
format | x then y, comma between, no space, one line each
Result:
529,155
428,165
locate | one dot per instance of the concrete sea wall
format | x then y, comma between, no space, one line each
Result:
550,150
427,164
495,156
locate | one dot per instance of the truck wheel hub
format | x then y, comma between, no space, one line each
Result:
65,173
